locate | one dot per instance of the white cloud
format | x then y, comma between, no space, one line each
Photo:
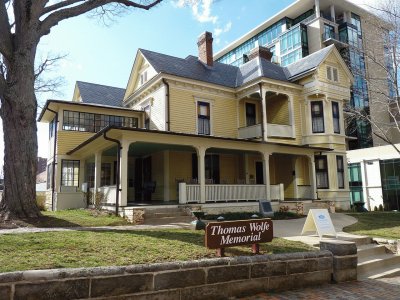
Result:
203,15
220,30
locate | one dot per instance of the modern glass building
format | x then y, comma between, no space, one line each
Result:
305,27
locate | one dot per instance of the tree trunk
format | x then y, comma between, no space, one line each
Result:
18,112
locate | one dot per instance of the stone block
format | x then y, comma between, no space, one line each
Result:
162,295
344,275
66,289
339,248
121,285
209,292
227,273
345,262
280,283
5,292
325,263
272,268
313,278
302,266
179,279
11,277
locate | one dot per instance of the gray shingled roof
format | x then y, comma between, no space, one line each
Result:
231,76
101,94
307,63
191,67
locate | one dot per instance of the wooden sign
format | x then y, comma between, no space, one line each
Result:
319,220
234,233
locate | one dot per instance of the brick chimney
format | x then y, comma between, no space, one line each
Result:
204,44
261,52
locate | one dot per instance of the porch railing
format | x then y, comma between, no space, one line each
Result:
250,132
304,192
106,195
277,130
190,193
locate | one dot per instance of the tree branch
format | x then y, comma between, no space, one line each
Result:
5,32
59,15
59,5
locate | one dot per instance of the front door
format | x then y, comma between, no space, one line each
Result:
259,172
147,178
138,179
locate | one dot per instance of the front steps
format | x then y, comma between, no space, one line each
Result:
156,215
376,261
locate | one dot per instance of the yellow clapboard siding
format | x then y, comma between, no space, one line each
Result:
229,168
278,111
68,140
180,167
332,61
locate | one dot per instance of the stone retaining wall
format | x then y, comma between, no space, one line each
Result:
218,278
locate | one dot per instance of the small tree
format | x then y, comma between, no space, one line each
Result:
22,24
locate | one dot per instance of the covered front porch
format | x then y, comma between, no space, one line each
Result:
164,168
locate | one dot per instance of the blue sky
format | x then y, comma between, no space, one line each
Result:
105,54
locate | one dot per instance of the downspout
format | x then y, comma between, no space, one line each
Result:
117,171
168,106
54,157
262,113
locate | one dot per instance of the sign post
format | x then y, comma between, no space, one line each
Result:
318,220
220,235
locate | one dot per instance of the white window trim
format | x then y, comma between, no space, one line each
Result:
331,68
211,103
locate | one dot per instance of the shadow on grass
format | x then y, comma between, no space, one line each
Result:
48,222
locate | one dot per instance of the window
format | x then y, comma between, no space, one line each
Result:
317,116
332,74
336,117
143,78
87,122
203,118
250,114
147,117
321,170
355,183
49,176
329,31
52,127
90,174
340,171
105,174
70,172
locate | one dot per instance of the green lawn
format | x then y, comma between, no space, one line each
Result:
78,218
376,224
90,249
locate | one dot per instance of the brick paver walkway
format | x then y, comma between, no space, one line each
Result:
385,289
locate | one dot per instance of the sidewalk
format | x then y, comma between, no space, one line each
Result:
386,288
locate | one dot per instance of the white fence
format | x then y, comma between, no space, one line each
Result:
107,194
190,193
276,130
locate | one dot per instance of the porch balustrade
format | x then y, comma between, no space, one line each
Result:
305,192
277,191
190,193
273,130
106,195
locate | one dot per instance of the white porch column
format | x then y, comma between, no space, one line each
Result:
264,114
97,170
291,115
123,174
333,13
267,180
313,177
201,169
317,9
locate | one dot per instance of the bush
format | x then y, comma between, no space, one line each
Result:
375,208
380,207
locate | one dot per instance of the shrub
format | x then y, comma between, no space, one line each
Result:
375,208
380,207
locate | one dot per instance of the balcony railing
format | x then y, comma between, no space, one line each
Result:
273,130
277,130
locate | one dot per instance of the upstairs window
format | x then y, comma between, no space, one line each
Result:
143,78
52,127
321,170
203,118
332,74
340,171
317,117
336,117
250,114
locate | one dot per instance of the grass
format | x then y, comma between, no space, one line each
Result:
376,224
78,218
90,249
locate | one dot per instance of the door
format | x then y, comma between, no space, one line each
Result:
259,172
138,179
250,114
147,178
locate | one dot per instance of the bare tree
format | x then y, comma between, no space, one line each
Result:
380,54
22,24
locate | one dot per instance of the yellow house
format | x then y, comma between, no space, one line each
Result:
190,131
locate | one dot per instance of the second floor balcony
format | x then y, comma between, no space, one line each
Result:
329,38
273,131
